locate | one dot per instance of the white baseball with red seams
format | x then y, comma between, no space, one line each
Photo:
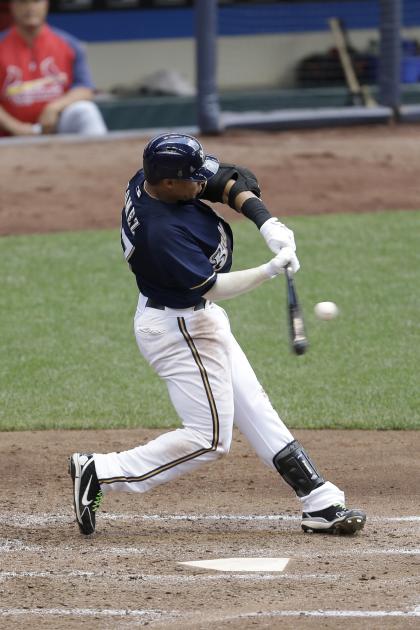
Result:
326,310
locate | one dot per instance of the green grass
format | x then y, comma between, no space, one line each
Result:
68,357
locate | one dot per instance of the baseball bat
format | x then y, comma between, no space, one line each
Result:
298,339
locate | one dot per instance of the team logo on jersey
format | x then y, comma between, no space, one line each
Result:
219,257
49,86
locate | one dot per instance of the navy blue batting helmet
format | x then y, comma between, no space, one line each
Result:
177,156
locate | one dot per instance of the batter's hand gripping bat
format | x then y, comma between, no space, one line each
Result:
298,340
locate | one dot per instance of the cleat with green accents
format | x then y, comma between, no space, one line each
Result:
87,494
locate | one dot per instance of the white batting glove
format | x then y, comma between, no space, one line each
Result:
276,265
277,235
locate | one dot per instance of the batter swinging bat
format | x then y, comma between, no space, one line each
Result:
298,340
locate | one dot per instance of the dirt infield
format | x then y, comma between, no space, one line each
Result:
62,186
128,574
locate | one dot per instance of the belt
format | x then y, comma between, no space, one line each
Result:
153,304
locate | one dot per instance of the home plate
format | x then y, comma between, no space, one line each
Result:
240,564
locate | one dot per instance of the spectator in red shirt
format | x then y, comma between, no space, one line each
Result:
45,83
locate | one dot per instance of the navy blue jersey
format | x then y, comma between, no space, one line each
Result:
176,249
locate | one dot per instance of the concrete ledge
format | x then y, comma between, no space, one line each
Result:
306,118
409,113
111,136
147,112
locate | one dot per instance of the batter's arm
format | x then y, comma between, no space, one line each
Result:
240,179
238,187
247,203
229,285
234,185
275,233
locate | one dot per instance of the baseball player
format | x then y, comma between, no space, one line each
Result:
180,252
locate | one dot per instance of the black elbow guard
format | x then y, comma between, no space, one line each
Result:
244,180
216,185
297,470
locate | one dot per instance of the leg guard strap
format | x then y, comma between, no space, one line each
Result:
297,469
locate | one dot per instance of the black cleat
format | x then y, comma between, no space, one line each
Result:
87,494
336,519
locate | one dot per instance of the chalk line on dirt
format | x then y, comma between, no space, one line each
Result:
150,614
9,575
168,578
8,545
20,519
325,613
162,615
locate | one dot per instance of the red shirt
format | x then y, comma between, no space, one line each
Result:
31,77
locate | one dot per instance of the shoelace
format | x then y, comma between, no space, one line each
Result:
97,501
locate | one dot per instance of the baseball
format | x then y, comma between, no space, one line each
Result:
326,310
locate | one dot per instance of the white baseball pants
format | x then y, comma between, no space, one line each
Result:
211,385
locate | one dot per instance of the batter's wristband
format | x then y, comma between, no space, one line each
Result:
255,211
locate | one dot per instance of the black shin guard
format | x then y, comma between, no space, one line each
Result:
297,469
